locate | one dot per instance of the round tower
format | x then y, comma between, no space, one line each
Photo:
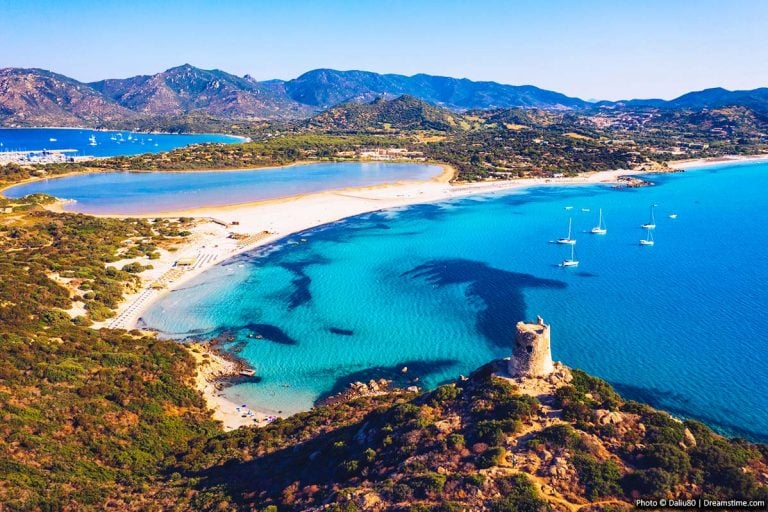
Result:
531,356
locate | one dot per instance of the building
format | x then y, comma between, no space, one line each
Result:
531,355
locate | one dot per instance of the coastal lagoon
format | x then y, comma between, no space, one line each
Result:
103,143
135,193
438,288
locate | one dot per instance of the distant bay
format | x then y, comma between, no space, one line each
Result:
101,143
438,288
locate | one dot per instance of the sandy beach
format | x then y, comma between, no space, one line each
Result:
223,232
719,160
212,368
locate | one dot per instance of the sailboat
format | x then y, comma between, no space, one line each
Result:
567,239
672,215
651,223
572,261
92,140
600,228
648,239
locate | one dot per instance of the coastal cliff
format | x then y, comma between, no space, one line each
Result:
522,433
489,442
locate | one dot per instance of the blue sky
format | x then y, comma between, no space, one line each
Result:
591,49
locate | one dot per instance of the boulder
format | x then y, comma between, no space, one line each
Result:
690,439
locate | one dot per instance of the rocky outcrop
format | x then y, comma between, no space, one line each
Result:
360,389
605,417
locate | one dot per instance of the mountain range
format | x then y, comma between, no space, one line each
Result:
36,97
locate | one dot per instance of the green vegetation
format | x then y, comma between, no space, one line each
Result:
108,419
518,495
88,417
488,144
97,419
651,453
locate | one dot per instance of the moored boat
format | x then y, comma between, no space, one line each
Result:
648,240
600,229
572,261
567,239
651,224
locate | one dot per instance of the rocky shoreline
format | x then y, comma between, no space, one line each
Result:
216,370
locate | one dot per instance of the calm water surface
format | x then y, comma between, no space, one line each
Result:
108,143
135,193
439,287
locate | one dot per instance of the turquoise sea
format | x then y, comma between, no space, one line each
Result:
438,288
142,192
108,143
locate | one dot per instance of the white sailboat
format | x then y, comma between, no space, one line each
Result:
92,140
651,223
672,215
648,239
572,261
567,240
600,229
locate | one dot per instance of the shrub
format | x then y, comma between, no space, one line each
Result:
475,479
444,394
519,495
492,457
427,484
456,441
598,478
561,436
136,267
648,483
668,457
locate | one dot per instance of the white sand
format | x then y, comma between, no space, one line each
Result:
720,160
210,244
211,368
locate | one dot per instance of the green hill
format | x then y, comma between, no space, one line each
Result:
402,113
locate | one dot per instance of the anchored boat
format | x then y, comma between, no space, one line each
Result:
572,261
567,240
648,239
652,222
600,229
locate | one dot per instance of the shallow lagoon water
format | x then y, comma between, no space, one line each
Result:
439,287
134,193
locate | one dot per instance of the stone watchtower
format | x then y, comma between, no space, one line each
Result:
531,356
